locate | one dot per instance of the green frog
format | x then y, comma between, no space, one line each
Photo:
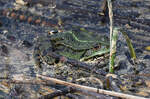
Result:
79,46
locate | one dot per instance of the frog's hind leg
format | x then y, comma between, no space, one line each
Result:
37,58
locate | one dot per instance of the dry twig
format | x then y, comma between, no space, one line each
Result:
90,89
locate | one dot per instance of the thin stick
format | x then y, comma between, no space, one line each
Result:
33,82
80,87
111,67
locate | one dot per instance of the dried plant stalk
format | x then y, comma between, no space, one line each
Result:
112,55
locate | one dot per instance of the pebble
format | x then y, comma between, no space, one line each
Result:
139,51
147,57
26,44
10,37
3,50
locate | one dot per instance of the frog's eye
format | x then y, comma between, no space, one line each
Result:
52,32
97,47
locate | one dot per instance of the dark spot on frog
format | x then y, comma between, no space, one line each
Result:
27,44
4,50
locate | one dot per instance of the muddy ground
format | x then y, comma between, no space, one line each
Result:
18,38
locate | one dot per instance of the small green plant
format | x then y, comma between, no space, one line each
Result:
113,40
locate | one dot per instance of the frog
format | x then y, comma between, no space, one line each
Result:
79,46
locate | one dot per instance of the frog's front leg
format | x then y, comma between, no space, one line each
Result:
37,58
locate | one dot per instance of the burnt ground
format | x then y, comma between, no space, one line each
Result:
18,38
